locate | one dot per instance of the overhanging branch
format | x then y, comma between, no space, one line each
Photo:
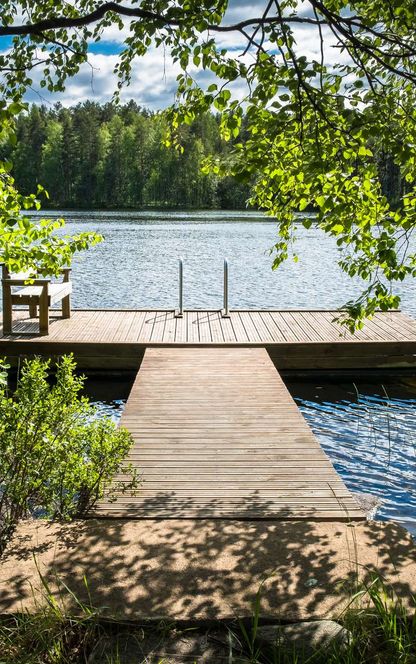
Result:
57,23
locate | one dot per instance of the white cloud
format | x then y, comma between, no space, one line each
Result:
153,81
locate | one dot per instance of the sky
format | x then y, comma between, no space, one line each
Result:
153,83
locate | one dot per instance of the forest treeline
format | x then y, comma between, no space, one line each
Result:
107,156
104,156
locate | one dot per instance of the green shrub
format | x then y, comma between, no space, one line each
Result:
57,456
3,373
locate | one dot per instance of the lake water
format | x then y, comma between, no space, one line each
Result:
368,431
137,264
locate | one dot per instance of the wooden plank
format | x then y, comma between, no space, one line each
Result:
388,328
263,330
313,327
240,333
251,330
216,327
228,330
328,330
147,327
285,330
192,327
294,327
122,327
400,320
217,434
135,330
255,327
181,332
373,331
343,333
204,328
75,329
170,328
273,330
101,325
158,330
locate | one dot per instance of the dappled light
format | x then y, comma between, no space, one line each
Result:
206,568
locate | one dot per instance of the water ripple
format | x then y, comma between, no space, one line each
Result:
371,441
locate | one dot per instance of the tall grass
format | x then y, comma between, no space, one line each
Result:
50,635
382,631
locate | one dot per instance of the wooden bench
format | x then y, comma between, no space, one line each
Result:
40,292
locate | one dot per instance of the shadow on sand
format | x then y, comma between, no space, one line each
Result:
206,568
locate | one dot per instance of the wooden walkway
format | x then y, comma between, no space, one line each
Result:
217,434
295,339
254,327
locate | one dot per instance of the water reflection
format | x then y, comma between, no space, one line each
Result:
113,408
109,393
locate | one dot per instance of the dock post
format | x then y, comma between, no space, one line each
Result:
225,311
179,312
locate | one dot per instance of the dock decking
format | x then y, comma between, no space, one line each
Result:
253,327
295,339
217,435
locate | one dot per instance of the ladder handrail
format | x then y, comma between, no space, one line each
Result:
225,312
179,311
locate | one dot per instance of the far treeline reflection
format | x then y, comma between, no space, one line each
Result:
103,156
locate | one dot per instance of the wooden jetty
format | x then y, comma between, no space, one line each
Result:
294,339
217,435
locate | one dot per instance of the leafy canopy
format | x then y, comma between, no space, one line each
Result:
313,124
